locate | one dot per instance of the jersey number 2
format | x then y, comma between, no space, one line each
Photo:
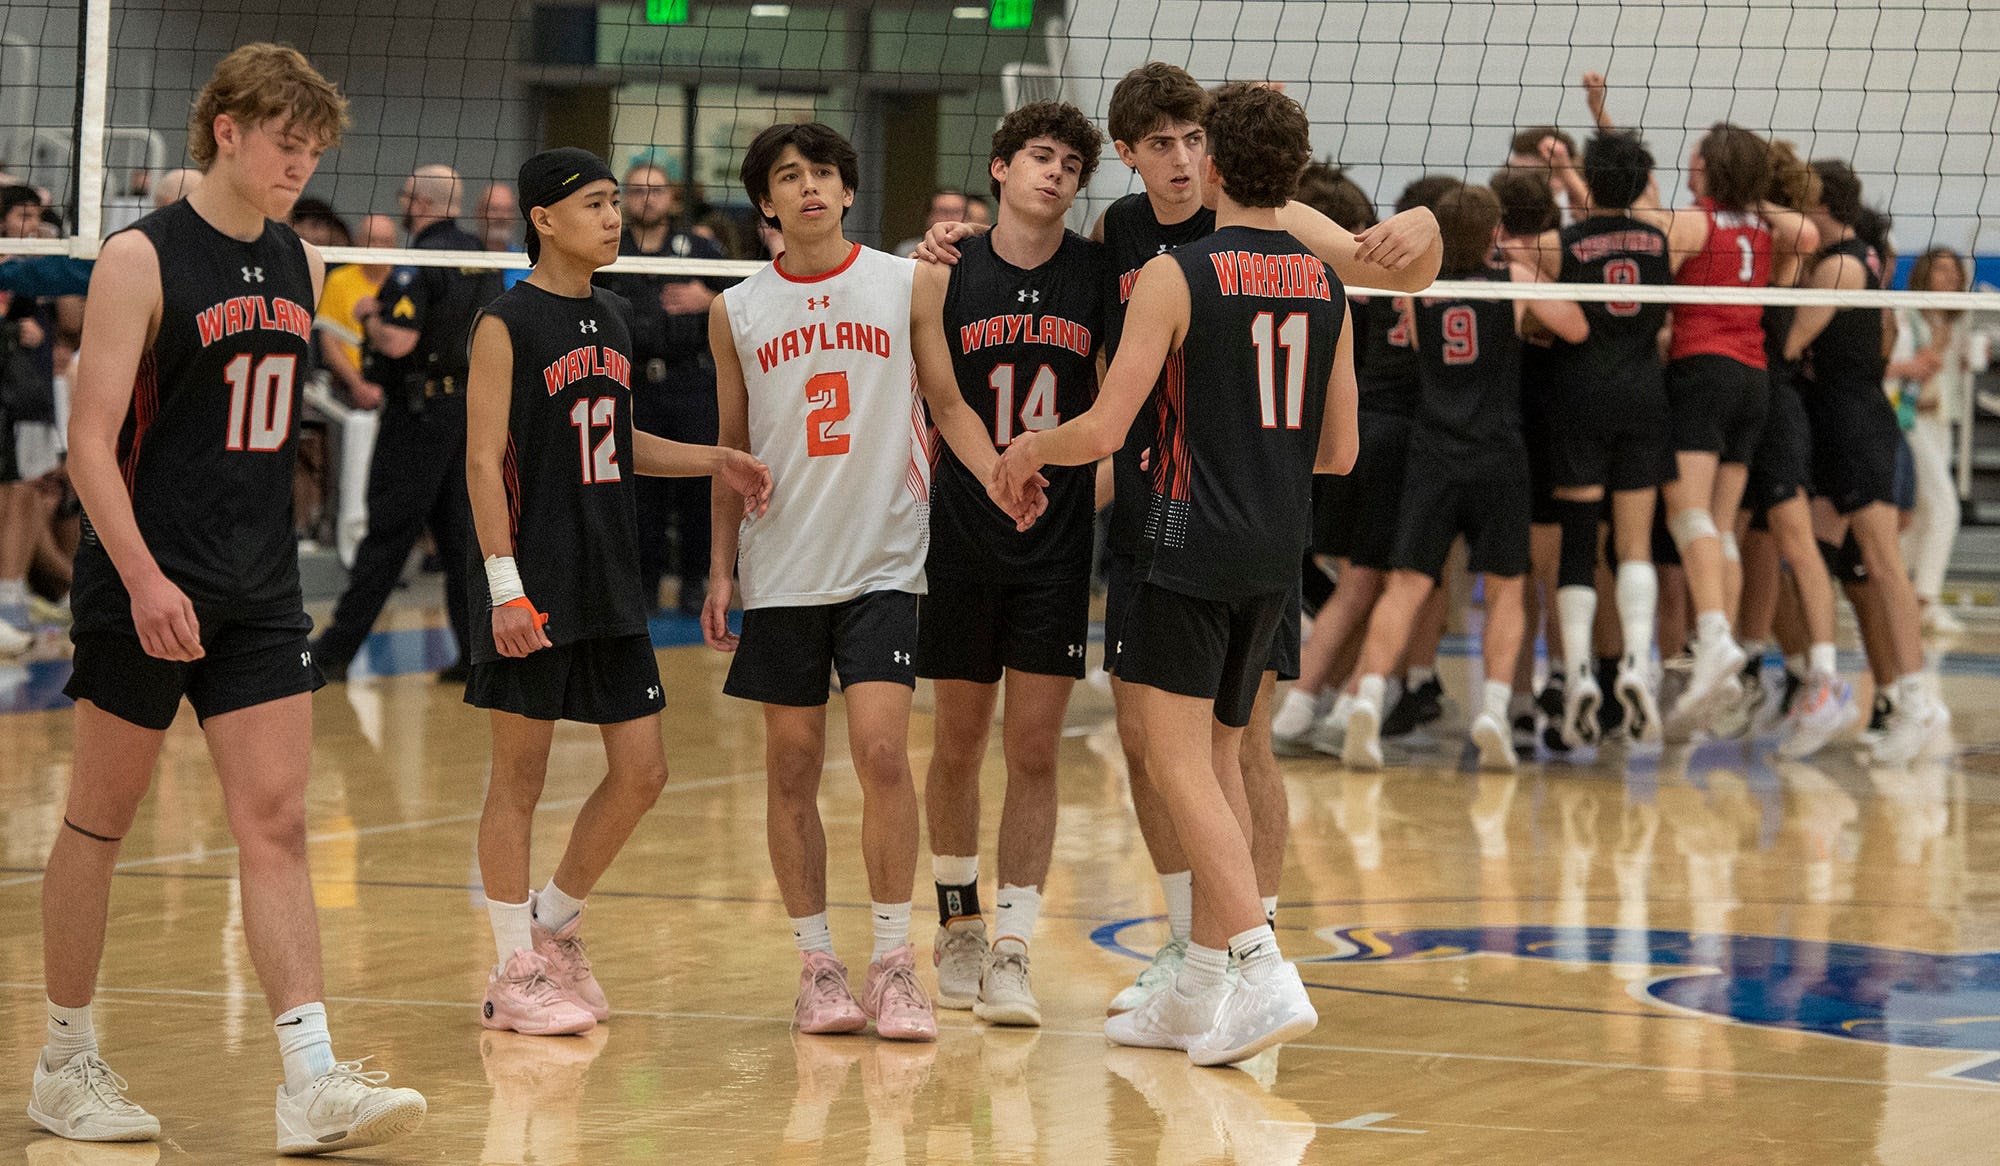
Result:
1037,412
827,394
260,402
1291,336
600,464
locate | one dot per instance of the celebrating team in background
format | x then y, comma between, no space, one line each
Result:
905,484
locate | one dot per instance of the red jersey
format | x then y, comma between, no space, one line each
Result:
1737,254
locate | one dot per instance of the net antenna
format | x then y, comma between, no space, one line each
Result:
1024,82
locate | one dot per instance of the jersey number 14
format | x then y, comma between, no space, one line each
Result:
1037,412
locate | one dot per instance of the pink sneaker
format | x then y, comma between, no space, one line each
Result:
900,1007
522,996
569,966
824,1004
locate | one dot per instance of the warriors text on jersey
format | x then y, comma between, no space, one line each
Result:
1133,237
1023,345
207,447
834,412
568,467
1236,416
1620,358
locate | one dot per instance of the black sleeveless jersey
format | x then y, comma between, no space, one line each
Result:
1023,346
1385,367
1237,414
568,467
1846,357
1469,365
1621,356
1133,237
207,447
1777,323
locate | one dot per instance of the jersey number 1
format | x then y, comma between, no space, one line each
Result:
600,465
1291,336
260,402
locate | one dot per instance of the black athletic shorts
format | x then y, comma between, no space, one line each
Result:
1354,515
1717,406
785,653
1215,649
1290,638
974,630
1621,443
1490,509
1120,580
1855,444
604,681
1782,465
246,663
1539,435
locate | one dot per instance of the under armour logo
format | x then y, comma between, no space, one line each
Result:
253,275
900,657
305,659
1163,249
1028,296
815,303
586,325
653,693
1120,649
1076,649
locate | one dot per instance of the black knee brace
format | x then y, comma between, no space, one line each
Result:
1578,566
1843,562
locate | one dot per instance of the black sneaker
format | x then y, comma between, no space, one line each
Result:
1878,718
1417,707
1551,704
1610,713
1793,683
1524,732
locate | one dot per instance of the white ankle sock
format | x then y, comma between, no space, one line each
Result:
511,923
1255,947
1798,666
1416,678
1498,694
1712,627
305,1045
954,870
1341,708
1296,714
892,927
554,909
1576,611
70,1033
812,934
1015,911
1823,659
1202,971
13,592
1179,891
1638,594
1371,690
1271,910
1912,697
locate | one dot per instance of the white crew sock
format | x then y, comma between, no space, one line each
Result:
1912,697
1341,708
13,593
305,1045
1296,714
1712,628
1271,910
1371,689
954,870
554,908
1256,947
1417,677
511,922
1798,666
1822,659
1638,608
1179,891
1498,694
892,927
1015,911
811,934
1576,611
70,1033
1202,971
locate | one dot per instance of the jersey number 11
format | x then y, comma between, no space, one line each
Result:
1291,336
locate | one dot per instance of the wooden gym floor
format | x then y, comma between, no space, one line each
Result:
1657,958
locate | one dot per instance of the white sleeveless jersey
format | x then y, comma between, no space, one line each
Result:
834,411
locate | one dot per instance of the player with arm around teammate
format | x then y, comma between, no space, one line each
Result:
1249,405
550,456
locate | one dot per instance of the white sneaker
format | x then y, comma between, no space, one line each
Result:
1329,733
1159,974
1634,690
1939,621
1168,1020
85,1101
1289,740
960,955
1495,742
1361,746
1005,994
1713,682
1910,731
1822,709
1581,696
14,641
1268,1007
345,1108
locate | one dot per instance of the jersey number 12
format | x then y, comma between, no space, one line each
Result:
1291,336
600,464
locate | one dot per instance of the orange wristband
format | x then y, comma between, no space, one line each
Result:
541,618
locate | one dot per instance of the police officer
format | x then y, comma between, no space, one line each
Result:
673,389
416,332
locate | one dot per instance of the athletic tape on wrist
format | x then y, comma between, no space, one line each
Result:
503,580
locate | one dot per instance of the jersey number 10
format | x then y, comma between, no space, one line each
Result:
260,402
1291,336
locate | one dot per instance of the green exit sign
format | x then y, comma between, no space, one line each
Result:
1013,13
666,11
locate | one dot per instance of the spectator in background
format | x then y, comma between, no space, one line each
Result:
494,217
340,331
977,212
1933,362
315,222
174,185
673,382
30,446
947,206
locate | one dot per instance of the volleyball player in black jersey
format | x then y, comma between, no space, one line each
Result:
1854,448
1467,474
550,454
182,445
1022,314
1247,406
